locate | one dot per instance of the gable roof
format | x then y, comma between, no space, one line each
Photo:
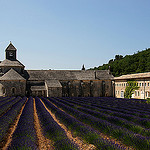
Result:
12,75
69,74
11,47
11,63
53,83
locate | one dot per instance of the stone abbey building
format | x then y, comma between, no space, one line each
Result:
16,81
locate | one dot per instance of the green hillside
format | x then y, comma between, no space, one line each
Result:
136,63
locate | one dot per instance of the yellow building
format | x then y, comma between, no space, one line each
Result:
143,82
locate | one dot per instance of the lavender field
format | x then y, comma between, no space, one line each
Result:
74,123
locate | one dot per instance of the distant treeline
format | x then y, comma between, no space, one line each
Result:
137,63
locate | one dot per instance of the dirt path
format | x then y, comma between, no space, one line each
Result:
106,137
81,145
43,143
8,138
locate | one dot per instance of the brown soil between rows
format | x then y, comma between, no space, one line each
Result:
8,138
80,143
104,136
43,143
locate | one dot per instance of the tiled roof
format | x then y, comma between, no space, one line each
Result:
11,75
68,74
11,63
53,83
134,76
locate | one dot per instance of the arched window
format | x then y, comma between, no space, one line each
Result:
13,90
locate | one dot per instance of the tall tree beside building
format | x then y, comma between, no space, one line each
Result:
130,88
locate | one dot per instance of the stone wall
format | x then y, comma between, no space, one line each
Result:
76,88
39,93
14,88
85,88
55,92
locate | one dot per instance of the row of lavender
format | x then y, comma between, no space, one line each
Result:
129,125
85,117
78,128
24,136
9,110
118,105
136,115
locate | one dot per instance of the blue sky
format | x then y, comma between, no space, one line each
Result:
64,34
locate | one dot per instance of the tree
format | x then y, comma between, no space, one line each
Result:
136,63
130,88
118,57
110,61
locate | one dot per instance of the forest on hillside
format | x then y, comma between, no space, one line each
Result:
137,63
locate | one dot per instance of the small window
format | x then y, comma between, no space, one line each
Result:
148,84
146,94
122,94
13,91
145,84
142,84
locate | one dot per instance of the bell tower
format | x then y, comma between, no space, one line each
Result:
11,52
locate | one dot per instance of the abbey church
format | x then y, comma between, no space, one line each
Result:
16,81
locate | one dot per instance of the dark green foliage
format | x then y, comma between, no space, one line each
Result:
136,63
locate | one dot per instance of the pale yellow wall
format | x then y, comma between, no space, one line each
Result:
141,93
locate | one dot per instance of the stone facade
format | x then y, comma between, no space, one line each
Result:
14,88
14,80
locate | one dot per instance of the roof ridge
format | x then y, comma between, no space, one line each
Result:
12,75
11,47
